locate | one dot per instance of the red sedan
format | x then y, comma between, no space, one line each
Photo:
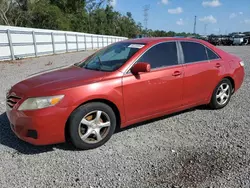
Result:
122,84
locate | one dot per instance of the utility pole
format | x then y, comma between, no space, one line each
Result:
145,11
195,17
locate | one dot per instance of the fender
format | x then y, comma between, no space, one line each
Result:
110,90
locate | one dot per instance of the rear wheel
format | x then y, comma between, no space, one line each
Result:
91,125
221,95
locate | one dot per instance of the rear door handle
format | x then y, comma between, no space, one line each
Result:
176,73
217,65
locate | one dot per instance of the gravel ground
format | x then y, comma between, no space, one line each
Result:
195,148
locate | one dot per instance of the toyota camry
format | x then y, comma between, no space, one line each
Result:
122,84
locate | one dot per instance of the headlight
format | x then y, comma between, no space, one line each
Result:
40,102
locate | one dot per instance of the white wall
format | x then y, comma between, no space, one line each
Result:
20,42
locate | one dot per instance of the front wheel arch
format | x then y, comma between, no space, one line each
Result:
107,102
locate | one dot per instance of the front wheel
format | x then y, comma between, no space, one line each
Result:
91,125
221,95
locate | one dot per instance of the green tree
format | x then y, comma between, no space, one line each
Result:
92,16
49,16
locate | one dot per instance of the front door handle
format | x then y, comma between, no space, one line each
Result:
217,65
176,73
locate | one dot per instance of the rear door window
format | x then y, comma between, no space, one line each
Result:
194,52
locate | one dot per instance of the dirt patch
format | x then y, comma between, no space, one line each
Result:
191,168
49,63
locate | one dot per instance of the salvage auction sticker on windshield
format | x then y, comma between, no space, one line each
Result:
136,46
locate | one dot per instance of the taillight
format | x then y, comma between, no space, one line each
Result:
242,63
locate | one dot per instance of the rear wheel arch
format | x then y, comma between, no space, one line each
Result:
221,94
226,77
232,82
105,101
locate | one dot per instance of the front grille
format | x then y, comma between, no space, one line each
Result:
12,100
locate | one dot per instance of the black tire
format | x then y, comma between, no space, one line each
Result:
214,104
75,121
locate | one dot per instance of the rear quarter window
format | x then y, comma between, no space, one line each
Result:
211,55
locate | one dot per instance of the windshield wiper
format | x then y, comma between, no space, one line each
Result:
97,69
77,64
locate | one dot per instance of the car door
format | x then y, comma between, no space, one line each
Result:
158,90
201,74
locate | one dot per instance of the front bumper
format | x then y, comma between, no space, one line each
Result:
40,127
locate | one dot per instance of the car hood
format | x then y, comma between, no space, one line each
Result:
59,78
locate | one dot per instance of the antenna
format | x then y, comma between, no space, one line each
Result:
195,17
205,29
145,10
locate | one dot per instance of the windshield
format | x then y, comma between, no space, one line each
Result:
111,58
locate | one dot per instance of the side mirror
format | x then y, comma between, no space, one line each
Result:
140,67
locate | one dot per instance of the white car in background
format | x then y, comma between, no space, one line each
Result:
241,39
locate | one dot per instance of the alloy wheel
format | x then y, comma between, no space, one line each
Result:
94,127
223,94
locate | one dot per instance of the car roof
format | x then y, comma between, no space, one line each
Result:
161,39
